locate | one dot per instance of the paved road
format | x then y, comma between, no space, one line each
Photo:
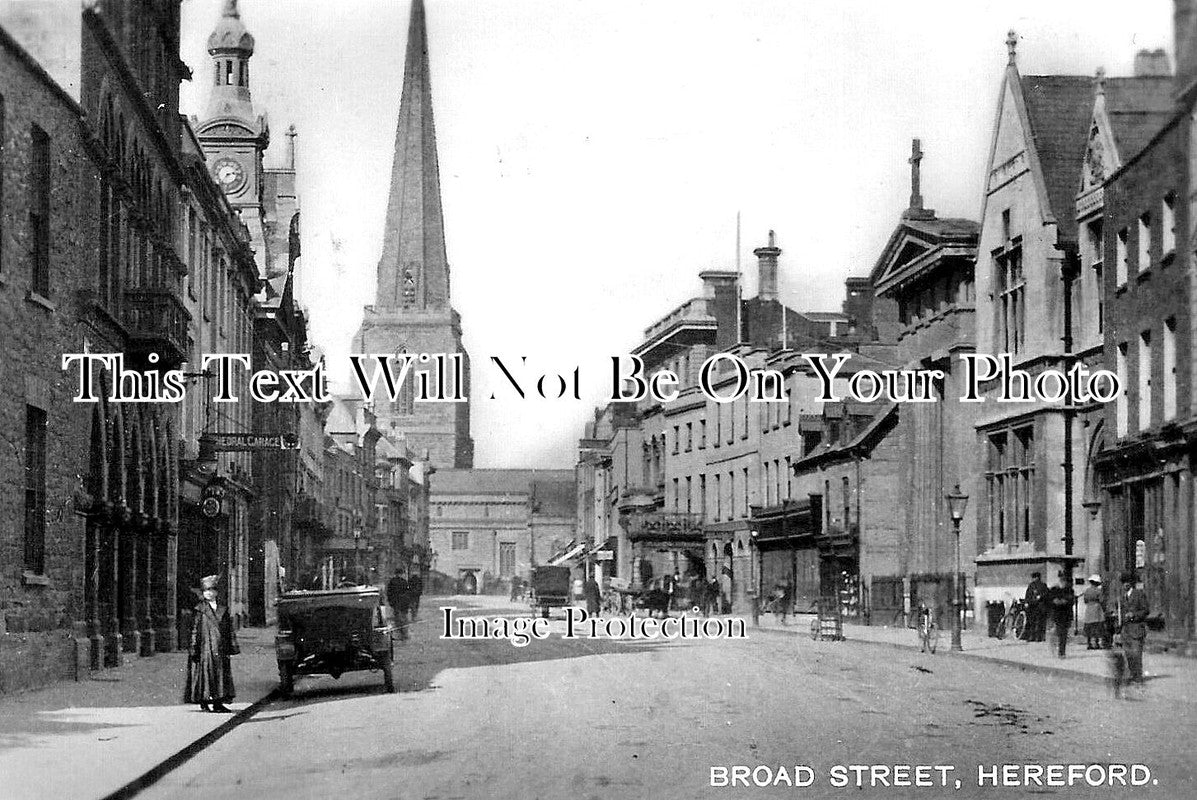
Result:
599,719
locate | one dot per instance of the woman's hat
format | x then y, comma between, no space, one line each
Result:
209,582
1095,578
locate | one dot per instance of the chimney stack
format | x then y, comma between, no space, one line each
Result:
1152,64
767,269
1184,22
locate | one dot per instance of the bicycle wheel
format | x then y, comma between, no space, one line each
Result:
932,637
1000,630
1020,624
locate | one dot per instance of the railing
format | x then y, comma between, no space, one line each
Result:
697,308
157,323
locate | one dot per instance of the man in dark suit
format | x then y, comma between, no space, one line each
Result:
1134,612
398,597
1036,598
1059,602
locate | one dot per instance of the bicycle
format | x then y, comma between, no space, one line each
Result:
1014,620
928,630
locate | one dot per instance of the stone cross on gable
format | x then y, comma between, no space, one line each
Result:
916,156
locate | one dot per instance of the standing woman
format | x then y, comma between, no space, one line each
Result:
209,674
1095,613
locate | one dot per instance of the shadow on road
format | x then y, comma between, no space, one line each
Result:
425,655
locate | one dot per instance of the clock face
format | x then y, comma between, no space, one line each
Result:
229,174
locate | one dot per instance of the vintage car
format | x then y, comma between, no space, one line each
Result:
550,588
331,632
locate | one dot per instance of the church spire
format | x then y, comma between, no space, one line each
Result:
413,271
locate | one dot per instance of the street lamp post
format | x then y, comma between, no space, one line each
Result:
957,502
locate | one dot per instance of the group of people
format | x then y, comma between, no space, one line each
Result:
403,596
1124,614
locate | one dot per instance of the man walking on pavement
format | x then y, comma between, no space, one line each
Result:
1134,612
1036,609
1060,599
415,588
398,597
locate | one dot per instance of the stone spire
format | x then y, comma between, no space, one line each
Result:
413,272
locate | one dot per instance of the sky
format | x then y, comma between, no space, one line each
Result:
594,155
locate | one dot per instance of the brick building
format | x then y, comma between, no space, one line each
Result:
90,132
1140,168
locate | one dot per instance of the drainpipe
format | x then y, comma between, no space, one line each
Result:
1069,271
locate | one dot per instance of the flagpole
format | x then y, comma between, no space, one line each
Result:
739,287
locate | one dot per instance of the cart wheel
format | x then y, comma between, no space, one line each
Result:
1020,624
544,612
286,678
388,675
814,629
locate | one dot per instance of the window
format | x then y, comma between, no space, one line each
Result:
1011,310
1144,380
789,485
39,212
689,495
731,422
702,495
1096,256
731,495
744,430
1144,243
1009,478
676,498
702,434
677,438
745,491
718,499
35,490
1168,226
461,540
506,559
1170,368
846,493
1123,268
689,436
1120,409
768,491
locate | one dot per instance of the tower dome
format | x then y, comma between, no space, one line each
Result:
230,34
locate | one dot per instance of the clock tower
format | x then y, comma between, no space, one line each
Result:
233,136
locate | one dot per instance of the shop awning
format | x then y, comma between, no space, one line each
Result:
567,555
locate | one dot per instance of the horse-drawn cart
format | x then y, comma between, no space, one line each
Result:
332,632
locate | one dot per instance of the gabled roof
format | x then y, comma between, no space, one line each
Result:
1059,112
917,246
1137,109
496,481
861,444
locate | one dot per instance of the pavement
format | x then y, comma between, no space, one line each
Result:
123,728
94,738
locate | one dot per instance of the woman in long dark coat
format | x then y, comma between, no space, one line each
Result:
209,673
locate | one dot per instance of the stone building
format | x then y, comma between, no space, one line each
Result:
925,271
221,282
89,132
1023,488
488,526
412,312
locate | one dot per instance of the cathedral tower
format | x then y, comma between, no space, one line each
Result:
412,312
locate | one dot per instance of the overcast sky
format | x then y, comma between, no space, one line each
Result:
594,153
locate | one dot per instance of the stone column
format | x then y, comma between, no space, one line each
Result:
93,561
110,568
127,587
149,566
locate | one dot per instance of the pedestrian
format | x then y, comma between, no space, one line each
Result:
398,597
415,584
714,596
1059,602
667,586
593,595
1134,610
1036,609
1094,599
209,671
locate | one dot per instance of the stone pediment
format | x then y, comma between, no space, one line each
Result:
230,128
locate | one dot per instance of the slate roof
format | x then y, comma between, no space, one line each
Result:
1138,108
1060,109
495,481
